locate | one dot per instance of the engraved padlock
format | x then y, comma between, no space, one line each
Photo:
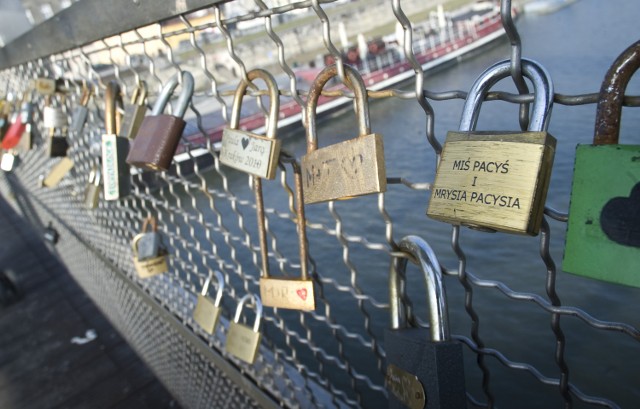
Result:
243,342
425,367
246,151
92,191
497,181
291,293
207,311
156,263
148,241
134,112
115,171
81,112
351,168
159,134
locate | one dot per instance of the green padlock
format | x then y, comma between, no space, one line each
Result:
603,232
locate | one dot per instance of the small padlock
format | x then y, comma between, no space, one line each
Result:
603,230
81,112
8,161
159,134
20,127
115,171
55,120
497,181
45,86
149,256
351,168
57,145
207,311
425,368
57,173
53,116
134,112
92,191
251,153
242,341
291,293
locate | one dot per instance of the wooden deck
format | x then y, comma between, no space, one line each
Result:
43,360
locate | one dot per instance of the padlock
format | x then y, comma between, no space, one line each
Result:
603,230
92,191
207,311
53,116
148,242
351,168
425,368
55,120
21,127
243,342
57,173
115,171
159,134
251,153
57,145
291,293
134,112
45,86
81,112
497,181
9,161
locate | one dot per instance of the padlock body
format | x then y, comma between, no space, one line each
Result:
151,267
156,143
495,181
351,168
58,172
79,118
148,246
292,294
250,153
26,141
8,161
115,171
58,146
438,366
91,196
13,134
45,86
206,313
54,117
603,231
132,119
242,342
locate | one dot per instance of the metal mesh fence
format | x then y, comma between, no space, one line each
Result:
333,356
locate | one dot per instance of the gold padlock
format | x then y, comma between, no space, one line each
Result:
246,151
134,112
243,342
92,191
351,168
497,181
57,173
151,266
207,311
291,293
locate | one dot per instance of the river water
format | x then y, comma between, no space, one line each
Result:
576,45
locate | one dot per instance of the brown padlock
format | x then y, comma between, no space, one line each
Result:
159,134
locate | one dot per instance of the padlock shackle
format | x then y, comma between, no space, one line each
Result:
258,305
95,175
219,291
542,88
354,83
87,91
139,94
609,110
167,91
113,100
428,262
150,222
274,101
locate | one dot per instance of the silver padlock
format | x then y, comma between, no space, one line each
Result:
53,116
81,112
92,191
8,161
207,310
148,245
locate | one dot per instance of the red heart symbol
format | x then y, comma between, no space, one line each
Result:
302,293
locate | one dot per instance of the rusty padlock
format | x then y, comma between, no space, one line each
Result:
159,134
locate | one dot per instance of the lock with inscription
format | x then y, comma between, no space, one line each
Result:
134,112
92,191
243,342
115,171
207,311
55,120
291,293
425,368
351,168
159,135
149,256
251,153
81,112
497,181
603,230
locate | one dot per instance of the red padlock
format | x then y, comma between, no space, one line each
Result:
14,133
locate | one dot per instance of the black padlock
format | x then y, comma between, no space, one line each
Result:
425,368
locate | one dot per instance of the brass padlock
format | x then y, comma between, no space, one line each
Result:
81,112
115,171
243,342
92,191
156,263
45,86
207,311
134,112
497,181
251,153
57,173
291,293
148,244
351,168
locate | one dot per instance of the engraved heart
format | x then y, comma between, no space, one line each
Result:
302,293
245,143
